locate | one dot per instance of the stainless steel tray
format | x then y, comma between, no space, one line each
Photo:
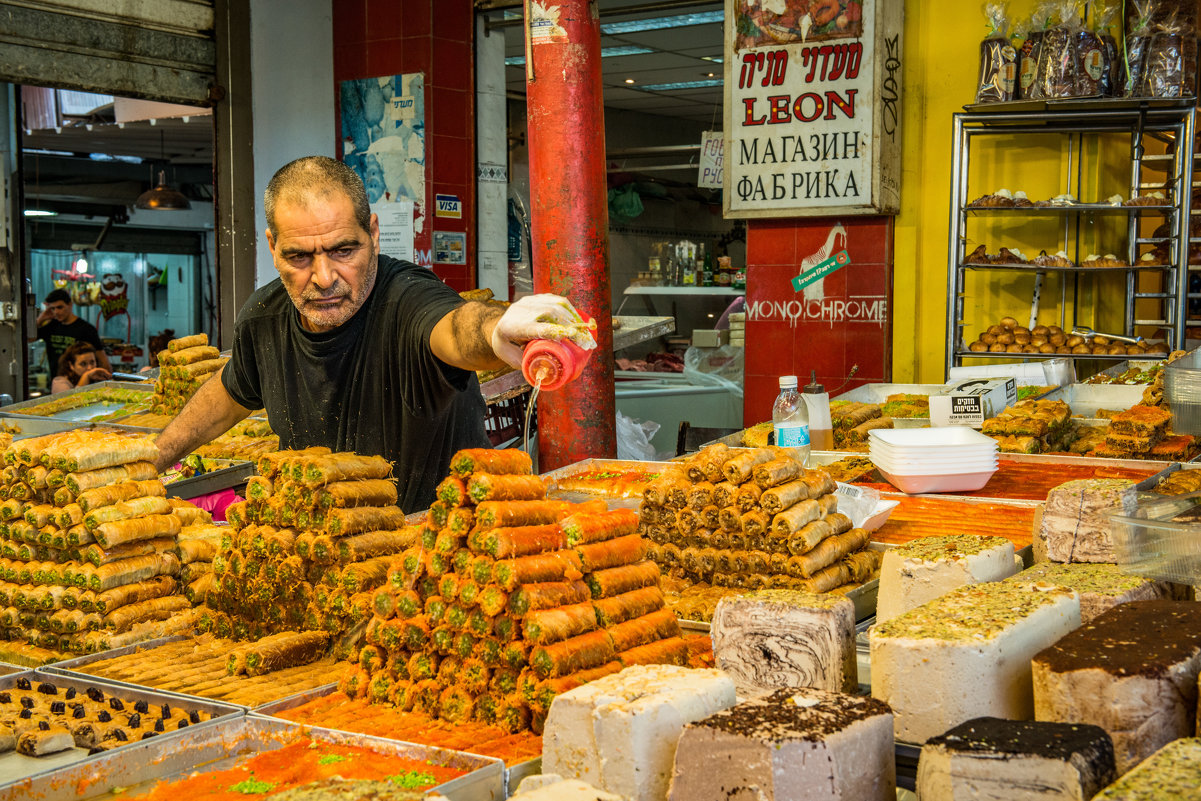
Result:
222,746
15,769
81,413
212,481
1121,367
74,667
555,476
1087,399
513,775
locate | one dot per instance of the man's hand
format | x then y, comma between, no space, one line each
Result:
539,317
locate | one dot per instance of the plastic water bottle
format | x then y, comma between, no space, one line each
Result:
790,419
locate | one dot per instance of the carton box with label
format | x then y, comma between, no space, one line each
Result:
972,401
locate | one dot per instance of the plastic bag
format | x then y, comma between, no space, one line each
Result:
1137,42
716,367
1113,80
1057,57
998,59
1171,60
521,270
1027,87
857,503
634,438
1091,62
624,203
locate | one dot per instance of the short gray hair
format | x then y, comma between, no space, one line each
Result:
313,176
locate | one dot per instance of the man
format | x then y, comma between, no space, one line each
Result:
60,328
357,351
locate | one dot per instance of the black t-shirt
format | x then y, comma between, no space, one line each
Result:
60,336
372,385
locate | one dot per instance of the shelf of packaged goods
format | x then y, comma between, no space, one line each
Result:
683,290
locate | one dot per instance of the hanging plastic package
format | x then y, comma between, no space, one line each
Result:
1138,40
1057,59
1113,79
1171,60
1091,61
1027,88
998,58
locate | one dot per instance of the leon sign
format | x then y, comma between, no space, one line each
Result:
812,107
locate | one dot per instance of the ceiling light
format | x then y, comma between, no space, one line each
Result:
81,265
668,87
629,80
606,52
162,197
40,213
714,59
659,23
710,74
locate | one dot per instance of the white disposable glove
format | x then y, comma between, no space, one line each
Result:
539,317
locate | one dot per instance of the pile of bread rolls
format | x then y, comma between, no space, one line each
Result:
1009,337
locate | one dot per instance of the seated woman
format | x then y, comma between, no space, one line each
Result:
77,368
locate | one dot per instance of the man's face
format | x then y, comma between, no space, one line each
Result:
59,310
326,262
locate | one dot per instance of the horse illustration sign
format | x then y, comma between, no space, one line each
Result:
812,107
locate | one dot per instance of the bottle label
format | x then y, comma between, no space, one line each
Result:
792,435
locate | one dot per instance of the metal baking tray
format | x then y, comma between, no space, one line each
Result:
513,775
221,747
1087,399
38,426
212,481
74,667
81,413
864,597
15,769
1121,367
585,465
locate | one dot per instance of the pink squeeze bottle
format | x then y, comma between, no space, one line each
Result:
551,364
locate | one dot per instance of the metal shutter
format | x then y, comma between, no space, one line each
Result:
152,49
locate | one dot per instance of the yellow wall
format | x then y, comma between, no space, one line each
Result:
942,46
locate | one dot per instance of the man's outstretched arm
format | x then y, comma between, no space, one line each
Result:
209,414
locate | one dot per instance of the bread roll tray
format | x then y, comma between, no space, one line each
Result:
136,768
514,774
72,667
17,771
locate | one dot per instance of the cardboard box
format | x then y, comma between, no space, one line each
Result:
972,401
709,337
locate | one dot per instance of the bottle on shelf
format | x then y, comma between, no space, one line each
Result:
656,271
724,275
790,419
739,281
821,430
707,269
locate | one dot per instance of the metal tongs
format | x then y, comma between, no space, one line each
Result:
1085,331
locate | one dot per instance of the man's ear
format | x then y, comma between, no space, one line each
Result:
270,241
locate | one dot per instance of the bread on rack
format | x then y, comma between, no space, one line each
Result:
1107,261
1059,259
1149,199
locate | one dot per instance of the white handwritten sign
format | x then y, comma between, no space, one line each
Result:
712,167
812,108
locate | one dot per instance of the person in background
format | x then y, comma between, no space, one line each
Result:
77,368
60,328
156,345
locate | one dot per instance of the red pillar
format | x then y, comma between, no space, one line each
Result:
570,218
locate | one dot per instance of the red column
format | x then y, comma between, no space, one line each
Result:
570,218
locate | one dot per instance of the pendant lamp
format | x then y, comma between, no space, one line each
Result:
162,197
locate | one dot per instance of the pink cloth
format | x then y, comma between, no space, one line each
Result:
217,502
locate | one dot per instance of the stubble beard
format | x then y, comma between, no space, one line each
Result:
354,298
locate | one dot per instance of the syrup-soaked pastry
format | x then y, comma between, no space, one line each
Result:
135,721
79,713
165,711
70,693
103,716
119,734
26,702
48,741
95,694
58,708
5,698
8,739
159,726
84,732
